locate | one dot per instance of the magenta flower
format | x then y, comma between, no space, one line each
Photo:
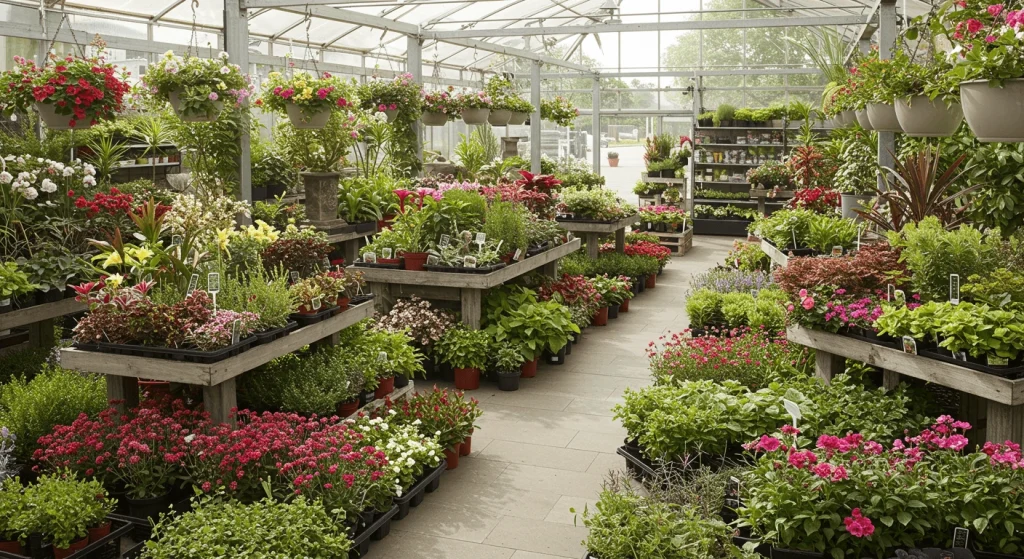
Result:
859,526
995,9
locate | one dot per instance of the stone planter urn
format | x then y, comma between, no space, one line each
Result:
322,201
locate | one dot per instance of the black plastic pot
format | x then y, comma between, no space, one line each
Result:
176,354
557,358
361,541
568,348
276,333
613,311
641,284
794,554
310,319
508,381
576,338
401,381
414,495
259,193
275,190
149,508
726,227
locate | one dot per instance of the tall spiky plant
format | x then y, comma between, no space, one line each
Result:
828,54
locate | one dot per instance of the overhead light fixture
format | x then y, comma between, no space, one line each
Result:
611,12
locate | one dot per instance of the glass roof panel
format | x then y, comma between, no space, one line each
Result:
209,12
137,7
273,22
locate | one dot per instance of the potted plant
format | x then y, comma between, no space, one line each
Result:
12,506
506,225
466,351
197,87
875,75
724,115
95,93
706,119
613,158
398,95
857,176
309,295
439,107
927,97
62,510
13,282
560,111
475,107
308,100
521,109
508,362
536,327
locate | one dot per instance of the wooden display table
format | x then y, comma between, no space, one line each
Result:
350,243
1003,398
387,284
778,257
678,243
592,232
217,379
39,319
762,195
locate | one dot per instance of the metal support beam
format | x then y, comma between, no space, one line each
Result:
687,73
649,27
414,65
886,43
535,118
596,117
865,30
236,43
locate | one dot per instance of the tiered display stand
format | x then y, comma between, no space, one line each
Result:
593,231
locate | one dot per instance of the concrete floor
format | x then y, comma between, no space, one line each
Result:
546,448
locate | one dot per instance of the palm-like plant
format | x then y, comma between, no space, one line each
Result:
828,54
106,156
918,191
152,132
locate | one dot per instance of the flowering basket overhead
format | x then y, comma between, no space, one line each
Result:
68,92
475,106
397,96
439,107
307,99
560,111
197,87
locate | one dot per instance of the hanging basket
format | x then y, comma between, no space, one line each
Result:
995,114
215,109
306,121
883,117
392,114
862,119
922,117
53,121
475,116
434,119
518,118
847,119
499,117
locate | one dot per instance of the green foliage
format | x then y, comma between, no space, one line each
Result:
209,149
269,168
308,382
20,138
106,154
826,232
534,328
858,169
263,530
62,509
931,254
999,170
471,154
704,308
23,363
996,288
30,409
506,223
463,348
258,292
13,281
319,151
507,358
724,112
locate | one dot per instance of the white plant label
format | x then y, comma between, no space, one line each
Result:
909,345
432,260
235,331
837,251
317,303
569,237
954,289
370,257
795,244
890,289
859,231
900,298
177,240
518,256
481,238
469,262
794,410
327,264
193,282
213,282
382,357
445,241
148,278
385,253
294,275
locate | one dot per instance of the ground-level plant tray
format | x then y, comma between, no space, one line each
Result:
463,269
361,541
271,335
727,227
414,496
177,354
107,547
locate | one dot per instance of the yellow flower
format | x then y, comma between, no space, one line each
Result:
223,239
274,74
169,54
114,280
221,86
112,259
141,254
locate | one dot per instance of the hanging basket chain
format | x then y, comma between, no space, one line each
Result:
309,52
71,29
193,41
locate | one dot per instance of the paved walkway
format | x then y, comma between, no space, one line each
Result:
546,448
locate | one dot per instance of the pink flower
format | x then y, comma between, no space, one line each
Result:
995,9
803,293
990,39
802,459
213,96
859,526
807,303
768,444
973,26
790,430
790,307
322,93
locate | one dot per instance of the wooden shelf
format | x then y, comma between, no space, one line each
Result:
726,201
147,165
731,164
398,394
611,227
678,243
39,313
764,193
777,256
469,281
703,144
661,180
214,373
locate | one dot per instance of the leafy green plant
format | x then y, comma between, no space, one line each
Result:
507,358
931,254
261,293
704,308
506,224
308,382
735,308
826,232
534,328
62,509
463,348
724,112
106,155
997,288
13,281
471,153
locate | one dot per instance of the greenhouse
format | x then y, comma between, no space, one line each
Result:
511,279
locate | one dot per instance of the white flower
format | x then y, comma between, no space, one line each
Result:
225,70
48,186
380,116
223,55
89,181
6,178
21,160
410,462
89,170
190,438
30,193
68,171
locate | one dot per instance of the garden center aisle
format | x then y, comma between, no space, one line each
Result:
546,448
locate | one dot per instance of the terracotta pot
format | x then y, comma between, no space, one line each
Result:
529,369
995,114
652,281
467,445
53,121
346,409
414,261
467,379
451,455
211,116
434,119
306,121
343,302
99,532
601,317
71,549
11,547
475,116
624,307
613,162
386,386
922,117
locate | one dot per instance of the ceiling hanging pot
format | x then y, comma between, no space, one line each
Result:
213,110
921,117
883,117
862,119
995,114
499,117
434,119
302,120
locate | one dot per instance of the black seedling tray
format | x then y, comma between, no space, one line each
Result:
414,496
177,354
360,299
361,264
309,319
1012,373
463,269
361,542
276,333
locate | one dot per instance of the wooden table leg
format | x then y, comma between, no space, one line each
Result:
550,269
40,334
471,303
1005,423
890,380
124,389
828,365
761,209
382,297
593,245
351,250
620,241
219,400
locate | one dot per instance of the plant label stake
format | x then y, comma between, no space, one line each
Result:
889,291
327,264
960,536
469,262
370,257
793,409
385,253
859,231
569,237
177,240
213,286
432,260
795,245
193,282
954,289
235,334
317,303
900,297
293,276
445,241
518,256
481,238
382,357
837,251
909,345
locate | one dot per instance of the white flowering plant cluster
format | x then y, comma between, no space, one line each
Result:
201,218
410,454
200,84
421,321
29,177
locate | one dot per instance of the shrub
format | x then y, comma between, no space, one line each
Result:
704,308
263,530
308,382
463,348
62,509
30,409
506,223
735,308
